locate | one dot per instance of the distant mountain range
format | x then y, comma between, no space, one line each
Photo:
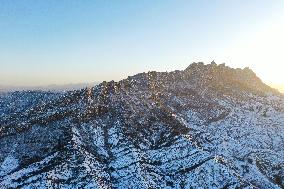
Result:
208,126
56,88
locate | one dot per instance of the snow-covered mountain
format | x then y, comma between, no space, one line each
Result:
208,126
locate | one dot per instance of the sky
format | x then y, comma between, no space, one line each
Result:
68,41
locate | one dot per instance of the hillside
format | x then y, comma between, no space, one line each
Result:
208,126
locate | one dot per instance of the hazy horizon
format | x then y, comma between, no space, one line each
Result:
61,42
72,86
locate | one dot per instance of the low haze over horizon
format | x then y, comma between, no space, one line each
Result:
62,42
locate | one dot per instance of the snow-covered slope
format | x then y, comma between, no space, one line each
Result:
208,126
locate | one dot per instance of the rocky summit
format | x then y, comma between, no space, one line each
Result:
208,126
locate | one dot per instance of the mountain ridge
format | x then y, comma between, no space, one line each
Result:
208,126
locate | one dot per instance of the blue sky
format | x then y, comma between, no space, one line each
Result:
59,42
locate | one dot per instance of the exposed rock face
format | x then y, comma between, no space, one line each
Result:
208,126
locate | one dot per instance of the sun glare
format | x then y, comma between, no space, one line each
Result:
263,51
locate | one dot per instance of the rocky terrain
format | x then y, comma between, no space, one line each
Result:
208,126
